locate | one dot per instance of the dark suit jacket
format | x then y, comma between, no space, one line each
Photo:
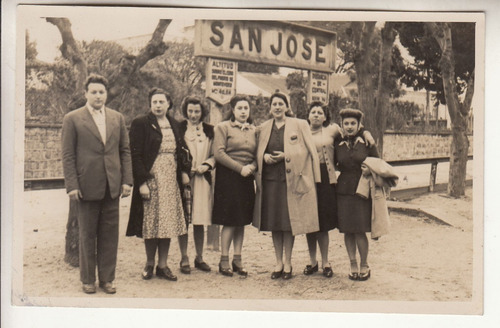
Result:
87,162
145,141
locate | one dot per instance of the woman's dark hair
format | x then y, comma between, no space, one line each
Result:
236,99
192,100
160,91
282,96
95,78
323,108
278,94
351,113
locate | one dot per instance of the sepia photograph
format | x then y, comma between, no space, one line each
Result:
306,161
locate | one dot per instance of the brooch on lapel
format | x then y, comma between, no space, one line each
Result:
154,127
294,137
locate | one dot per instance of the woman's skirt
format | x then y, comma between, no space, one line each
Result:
354,214
274,211
234,197
327,202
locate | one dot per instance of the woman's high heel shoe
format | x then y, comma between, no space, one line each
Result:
239,270
364,275
277,274
287,275
353,275
225,271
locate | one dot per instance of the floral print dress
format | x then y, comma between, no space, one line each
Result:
163,213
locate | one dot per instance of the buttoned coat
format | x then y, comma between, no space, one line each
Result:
88,162
302,172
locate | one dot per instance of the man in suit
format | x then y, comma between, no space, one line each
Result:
97,170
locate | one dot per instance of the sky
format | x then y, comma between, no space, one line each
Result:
96,27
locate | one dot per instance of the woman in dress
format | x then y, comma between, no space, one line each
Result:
160,166
199,137
288,168
354,212
324,135
234,193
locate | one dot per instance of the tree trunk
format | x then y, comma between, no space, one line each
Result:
72,236
362,35
118,82
130,65
458,112
427,109
384,79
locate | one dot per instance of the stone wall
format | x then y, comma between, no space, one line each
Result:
407,146
43,149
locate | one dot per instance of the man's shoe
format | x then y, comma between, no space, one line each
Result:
107,287
148,272
88,288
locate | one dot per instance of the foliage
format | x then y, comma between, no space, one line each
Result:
401,114
31,51
424,72
177,71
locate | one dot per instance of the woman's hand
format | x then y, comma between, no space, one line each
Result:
369,138
268,159
365,170
202,169
247,170
144,191
278,156
185,178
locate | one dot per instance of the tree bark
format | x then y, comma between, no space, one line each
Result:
71,52
128,66
362,37
459,112
384,78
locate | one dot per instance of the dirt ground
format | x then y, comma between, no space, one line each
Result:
420,260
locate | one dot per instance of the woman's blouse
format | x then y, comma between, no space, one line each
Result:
324,139
350,152
234,144
276,171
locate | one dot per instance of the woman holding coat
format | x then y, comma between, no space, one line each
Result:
160,165
199,137
288,168
354,211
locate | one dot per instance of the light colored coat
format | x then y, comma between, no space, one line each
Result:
302,172
374,186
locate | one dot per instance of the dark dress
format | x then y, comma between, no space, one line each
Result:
327,202
354,212
274,215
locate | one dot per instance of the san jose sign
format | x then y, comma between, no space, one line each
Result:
268,42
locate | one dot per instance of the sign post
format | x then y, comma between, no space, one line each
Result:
318,87
221,80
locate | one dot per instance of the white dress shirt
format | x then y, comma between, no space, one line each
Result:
100,120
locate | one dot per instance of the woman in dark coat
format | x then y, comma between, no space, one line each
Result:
160,164
354,212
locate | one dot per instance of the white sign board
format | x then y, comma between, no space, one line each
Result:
221,80
318,87
268,42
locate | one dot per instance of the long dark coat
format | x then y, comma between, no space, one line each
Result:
145,141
